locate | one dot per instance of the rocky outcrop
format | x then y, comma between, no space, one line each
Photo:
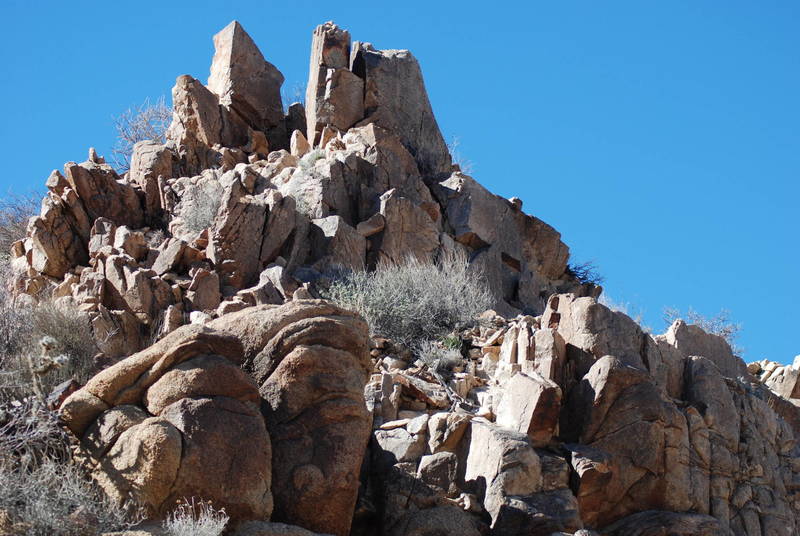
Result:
179,419
558,415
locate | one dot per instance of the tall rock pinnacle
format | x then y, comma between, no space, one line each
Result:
244,81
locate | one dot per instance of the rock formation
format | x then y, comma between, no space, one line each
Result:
565,418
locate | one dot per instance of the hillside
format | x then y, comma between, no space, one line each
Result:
225,281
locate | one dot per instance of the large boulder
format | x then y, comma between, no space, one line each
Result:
395,99
658,523
244,81
179,419
311,361
617,476
334,95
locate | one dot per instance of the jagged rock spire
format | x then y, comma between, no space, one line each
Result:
244,81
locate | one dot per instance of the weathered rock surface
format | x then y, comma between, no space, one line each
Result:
176,420
563,418
244,81
311,361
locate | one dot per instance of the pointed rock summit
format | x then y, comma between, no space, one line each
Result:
244,81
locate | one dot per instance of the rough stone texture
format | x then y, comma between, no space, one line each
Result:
691,340
334,95
311,360
248,86
263,528
149,161
178,419
655,523
531,405
504,462
103,194
337,244
614,403
654,434
395,99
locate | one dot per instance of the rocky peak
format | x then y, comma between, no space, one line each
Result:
562,415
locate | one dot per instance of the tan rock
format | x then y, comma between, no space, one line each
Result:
244,81
409,230
336,243
142,465
505,460
613,403
149,161
312,362
531,405
226,456
329,102
298,144
59,235
445,430
201,377
204,291
397,101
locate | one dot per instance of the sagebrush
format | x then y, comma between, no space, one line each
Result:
15,211
439,356
415,301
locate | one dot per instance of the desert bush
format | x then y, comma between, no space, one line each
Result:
15,211
586,272
415,301
440,356
30,434
41,491
148,121
720,324
55,498
195,518
33,336
308,160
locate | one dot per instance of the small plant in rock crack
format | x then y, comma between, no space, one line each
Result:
194,517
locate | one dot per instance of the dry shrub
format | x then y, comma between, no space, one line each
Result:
148,121
196,518
15,211
720,324
41,491
414,302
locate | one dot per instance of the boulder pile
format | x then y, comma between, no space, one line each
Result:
560,417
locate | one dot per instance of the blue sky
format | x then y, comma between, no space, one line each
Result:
662,139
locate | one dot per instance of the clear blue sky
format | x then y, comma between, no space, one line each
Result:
661,138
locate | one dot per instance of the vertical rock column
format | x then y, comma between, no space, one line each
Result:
334,96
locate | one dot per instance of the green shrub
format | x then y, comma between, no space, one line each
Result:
414,302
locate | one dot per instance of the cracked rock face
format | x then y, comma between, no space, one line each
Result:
565,417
